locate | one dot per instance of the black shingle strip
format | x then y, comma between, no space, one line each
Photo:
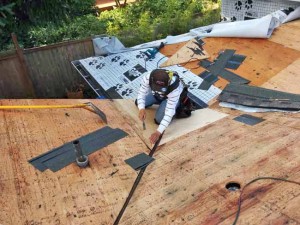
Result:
217,67
205,85
205,74
249,119
256,98
68,157
232,77
238,58
232,65
260,92
208,80
221,61
100,134
37,161
139,161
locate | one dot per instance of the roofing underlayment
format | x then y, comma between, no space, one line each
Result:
186,183
252,9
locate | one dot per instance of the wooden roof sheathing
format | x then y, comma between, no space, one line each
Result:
186,182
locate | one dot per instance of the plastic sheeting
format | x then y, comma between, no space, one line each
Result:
256,28
292,16
107,45
252,109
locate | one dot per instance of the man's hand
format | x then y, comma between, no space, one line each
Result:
142,114
154,137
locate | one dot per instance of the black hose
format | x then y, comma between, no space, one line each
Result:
252,181
136,182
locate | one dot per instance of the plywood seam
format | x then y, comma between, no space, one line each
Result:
128,120
285,46
281,125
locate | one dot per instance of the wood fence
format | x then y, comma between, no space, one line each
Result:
43,72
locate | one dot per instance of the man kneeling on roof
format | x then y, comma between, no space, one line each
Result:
162,87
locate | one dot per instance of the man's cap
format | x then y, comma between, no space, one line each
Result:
159,80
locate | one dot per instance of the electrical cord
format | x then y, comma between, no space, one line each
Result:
194,68
145,63
160,60
179,64
252,181
187,62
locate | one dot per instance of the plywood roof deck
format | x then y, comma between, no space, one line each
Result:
186,182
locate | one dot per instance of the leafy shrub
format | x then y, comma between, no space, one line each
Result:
140,22
149,20
80,27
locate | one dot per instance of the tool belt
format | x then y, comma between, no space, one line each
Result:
186,106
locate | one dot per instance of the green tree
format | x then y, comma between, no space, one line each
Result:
6,18
41,22
29,14
36,12
148,20
5,12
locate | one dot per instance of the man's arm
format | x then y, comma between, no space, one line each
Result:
143,91
170,110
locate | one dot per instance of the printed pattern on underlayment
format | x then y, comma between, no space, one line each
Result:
250,9
123,73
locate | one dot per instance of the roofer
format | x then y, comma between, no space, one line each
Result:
162,87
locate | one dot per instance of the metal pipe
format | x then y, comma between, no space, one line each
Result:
78,151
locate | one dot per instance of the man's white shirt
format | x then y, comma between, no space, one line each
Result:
172,100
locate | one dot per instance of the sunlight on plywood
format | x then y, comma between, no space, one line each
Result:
176,129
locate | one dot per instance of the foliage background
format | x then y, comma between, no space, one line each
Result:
42,22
